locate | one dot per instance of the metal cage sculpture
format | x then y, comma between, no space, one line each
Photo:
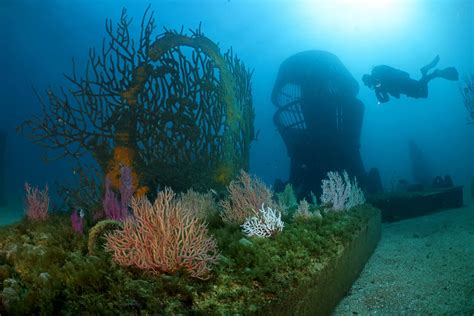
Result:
318,117
173,108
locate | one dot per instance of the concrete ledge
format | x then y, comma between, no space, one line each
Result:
323,292
398,206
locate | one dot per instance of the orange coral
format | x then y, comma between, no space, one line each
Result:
123,156
142,191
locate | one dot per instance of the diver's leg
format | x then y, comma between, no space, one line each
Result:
420,90
449,73
426,78
432,64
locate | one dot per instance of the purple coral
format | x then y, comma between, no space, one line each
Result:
114,208
77,221
111,203
126,188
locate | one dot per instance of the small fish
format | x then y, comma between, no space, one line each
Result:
213,191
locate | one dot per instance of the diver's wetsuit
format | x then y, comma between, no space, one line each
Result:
390,81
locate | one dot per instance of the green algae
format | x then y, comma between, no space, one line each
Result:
45,268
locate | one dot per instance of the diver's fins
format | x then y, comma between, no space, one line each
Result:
432,64
449,73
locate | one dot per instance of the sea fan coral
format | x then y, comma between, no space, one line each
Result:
37,203
340,192
246,195
163,238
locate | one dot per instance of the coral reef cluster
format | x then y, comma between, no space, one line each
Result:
164,115
167,257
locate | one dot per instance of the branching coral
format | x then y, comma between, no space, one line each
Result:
37,203
173,108
246,196
266,224
340,192
163,238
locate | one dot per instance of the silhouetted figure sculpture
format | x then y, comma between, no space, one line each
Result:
3,144
386,81
420,167
319,118
442,183
373,182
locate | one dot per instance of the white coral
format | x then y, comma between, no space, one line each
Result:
267,223
341,192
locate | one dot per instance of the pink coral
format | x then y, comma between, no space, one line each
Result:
246,196
163,238
37,203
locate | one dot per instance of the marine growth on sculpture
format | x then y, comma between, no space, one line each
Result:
172,107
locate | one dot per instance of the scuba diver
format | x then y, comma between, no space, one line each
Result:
386,80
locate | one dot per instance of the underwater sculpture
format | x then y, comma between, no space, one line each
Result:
319,118
174,109
162,254
420,167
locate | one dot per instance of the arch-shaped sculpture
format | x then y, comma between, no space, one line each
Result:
172,107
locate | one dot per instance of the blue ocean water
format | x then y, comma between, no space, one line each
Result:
39,39
407,139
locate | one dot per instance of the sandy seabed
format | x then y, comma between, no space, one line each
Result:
422,266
